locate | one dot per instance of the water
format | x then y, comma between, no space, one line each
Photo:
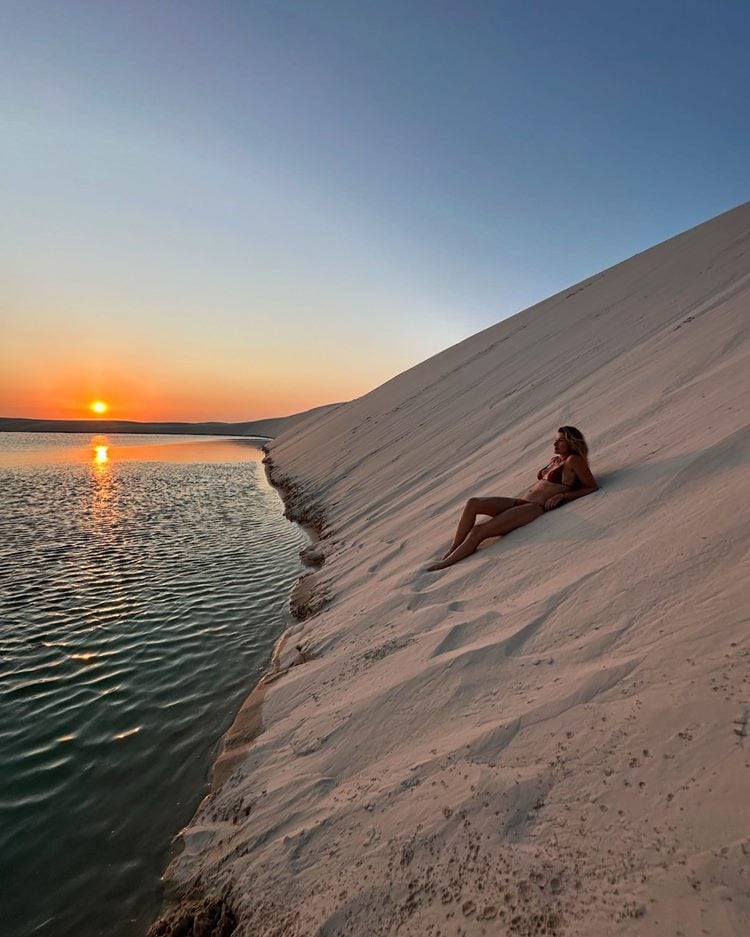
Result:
143,582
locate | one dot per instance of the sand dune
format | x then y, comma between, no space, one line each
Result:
550,737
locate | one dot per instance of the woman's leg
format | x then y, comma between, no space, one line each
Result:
490,506
509,520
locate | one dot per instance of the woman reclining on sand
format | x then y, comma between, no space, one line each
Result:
565,478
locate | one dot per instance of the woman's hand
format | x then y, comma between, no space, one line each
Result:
553,502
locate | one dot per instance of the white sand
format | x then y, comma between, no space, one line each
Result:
548,737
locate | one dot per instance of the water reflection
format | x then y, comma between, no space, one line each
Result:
170,576
56,448
100,446
104,510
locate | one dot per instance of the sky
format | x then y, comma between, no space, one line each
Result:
234,210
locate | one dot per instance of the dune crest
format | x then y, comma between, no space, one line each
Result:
551,737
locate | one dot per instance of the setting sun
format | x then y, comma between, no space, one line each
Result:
98,406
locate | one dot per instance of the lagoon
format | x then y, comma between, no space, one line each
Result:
143,583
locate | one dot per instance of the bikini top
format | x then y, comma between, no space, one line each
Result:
554,473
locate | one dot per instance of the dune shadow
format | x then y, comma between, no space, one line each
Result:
730,452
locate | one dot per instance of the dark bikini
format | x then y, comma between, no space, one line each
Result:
554,475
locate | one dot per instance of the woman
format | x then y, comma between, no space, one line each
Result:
565,478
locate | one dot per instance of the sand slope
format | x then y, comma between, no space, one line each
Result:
550,737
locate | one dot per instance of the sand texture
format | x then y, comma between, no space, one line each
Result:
551,737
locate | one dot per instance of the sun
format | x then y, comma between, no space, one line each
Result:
98,406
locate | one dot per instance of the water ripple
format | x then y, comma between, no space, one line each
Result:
139,602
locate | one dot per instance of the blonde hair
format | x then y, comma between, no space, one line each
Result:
575,439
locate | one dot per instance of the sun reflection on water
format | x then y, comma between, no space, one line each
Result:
127,733
104,507
99,445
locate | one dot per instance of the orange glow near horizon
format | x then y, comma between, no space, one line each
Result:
183,401
195,392
98,406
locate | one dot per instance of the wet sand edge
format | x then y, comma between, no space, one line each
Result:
183,907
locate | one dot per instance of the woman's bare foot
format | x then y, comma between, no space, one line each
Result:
436,566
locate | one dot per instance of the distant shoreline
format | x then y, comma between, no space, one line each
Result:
268,428
261,428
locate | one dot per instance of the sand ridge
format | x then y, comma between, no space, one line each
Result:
551,736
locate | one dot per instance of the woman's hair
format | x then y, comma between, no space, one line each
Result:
575,439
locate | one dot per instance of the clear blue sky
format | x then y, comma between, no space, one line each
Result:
237,209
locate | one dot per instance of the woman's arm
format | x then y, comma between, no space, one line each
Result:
588,483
